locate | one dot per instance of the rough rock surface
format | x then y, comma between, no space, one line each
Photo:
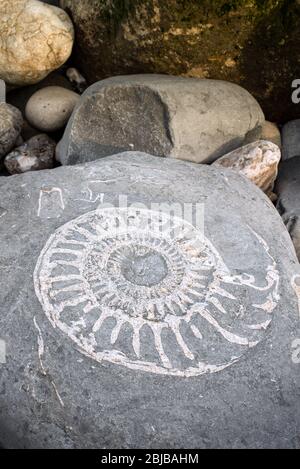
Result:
288,191
250,43
35,154
129,329
291,139
258,161
50,108
35,39
184,118
11,122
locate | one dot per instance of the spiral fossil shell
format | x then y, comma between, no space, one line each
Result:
149,291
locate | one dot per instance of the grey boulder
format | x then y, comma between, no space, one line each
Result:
144,303
288,204
291,139
183,118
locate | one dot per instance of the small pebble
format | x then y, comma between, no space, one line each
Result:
77,79
35,154
50,108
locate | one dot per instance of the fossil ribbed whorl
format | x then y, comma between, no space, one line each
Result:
149,291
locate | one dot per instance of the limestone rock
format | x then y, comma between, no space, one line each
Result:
35,39
49,109
11,122
257,161
147,326
37,153
183,118
291,139
251,43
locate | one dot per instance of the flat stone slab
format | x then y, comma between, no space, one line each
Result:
183,118
144,303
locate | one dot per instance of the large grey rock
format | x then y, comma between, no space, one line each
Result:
184,118
288,204
153,333
291,139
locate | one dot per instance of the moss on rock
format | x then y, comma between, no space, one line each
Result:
250,42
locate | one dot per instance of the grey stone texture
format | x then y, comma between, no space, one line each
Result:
152,381
183,118
2,91
288,190
34,155
291,139
11,122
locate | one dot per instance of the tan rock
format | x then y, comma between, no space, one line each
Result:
267,131
50,108
271,132
258,161
35,39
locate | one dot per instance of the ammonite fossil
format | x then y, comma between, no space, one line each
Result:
147,290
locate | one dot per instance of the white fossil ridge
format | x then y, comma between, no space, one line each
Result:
149,270
127,325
